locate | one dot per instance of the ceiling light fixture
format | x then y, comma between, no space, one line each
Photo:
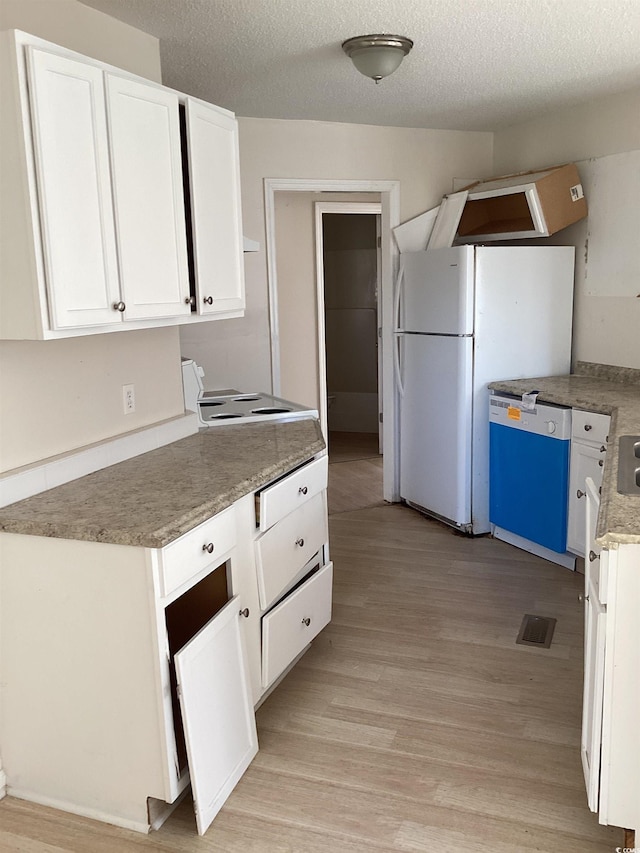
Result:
377,56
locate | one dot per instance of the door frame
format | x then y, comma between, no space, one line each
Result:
390,217
341,207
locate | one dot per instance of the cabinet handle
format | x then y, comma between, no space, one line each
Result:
244,612
580,494
601,462
588,427
593,556
306,621
583,598
208,300
302,490
300,542
189,300
603,449
119,306
208,547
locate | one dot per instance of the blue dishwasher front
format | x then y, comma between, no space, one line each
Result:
529,470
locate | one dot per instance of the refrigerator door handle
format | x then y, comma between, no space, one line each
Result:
396,363
396,317
396,307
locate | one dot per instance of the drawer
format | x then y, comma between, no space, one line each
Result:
590,426
291,626
203,546
284,550
288,494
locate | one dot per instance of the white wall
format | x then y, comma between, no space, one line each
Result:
603,137
61,395
236,352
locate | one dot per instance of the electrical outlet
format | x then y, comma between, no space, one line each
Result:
128,399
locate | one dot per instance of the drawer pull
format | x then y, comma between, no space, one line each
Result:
587,427
302,490
593,556
208,548
583,598
300,542
306,621
603,449
208,300
119,306
601,462
580,494
245,612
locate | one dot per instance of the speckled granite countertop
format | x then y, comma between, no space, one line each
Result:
593,391
153,498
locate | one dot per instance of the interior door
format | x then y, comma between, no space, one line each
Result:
146,165
74,190
217,711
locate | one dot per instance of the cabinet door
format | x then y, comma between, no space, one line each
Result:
585,462
74,190
212,143
595,618
217,711
144,136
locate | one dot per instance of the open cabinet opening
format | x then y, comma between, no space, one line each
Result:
184,618
498,215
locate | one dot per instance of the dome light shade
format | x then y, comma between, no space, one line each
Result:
377,56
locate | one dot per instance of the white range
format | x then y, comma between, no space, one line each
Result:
218,408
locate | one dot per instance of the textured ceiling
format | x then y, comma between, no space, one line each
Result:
476,64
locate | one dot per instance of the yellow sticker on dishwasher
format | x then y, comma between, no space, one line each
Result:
514,413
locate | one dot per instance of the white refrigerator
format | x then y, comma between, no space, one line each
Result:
467,316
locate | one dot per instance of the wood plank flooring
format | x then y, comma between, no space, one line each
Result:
414,722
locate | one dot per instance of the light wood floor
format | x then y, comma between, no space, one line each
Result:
414,722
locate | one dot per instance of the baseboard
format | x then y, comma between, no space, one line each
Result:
3,784
72,808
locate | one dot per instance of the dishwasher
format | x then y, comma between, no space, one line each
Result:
529,446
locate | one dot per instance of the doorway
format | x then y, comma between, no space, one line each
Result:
389,194
350,324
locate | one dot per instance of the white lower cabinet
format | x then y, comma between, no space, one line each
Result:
294,578
91,722
128,672
610,744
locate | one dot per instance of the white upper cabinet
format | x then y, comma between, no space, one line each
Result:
103,199
72,166
144,137
212,145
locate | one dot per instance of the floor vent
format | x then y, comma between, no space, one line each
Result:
536,631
